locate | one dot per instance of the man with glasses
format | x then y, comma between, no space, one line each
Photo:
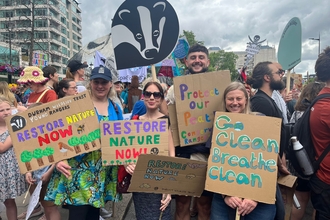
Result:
267,77
280,97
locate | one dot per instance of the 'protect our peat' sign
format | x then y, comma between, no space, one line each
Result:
123,141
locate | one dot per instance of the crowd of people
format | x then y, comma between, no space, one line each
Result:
68,183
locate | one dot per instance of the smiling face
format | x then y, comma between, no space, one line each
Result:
235,101
5,110
152,97
100,88
197,62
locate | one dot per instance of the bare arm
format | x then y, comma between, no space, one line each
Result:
5,145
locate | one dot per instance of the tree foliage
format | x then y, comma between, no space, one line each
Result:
191,38
222,60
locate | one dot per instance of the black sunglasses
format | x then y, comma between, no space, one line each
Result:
157,95
280,72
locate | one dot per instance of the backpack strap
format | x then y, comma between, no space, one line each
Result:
317,163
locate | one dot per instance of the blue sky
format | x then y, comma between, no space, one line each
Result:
227,23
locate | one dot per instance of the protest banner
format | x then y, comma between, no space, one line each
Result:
40,59
252,48
124,141
135,39
287,186
289,49
243,159
170,175
34,200
174,124
197,97
298,80
54,131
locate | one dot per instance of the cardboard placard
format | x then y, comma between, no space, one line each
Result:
243,159
289,49
54,131
297,80
197,97
287,186
174,124
143,32
124,141
170,175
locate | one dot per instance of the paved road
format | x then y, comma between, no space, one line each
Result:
130,215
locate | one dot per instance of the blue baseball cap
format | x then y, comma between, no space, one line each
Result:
101,72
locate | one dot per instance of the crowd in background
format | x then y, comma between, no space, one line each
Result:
64,183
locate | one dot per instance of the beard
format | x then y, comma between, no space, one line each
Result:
276,85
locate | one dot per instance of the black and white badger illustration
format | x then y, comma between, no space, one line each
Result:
144,32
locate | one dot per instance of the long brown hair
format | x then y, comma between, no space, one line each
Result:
308,94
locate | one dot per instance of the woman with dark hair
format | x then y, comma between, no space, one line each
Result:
75,71
150,205
51,73
66,87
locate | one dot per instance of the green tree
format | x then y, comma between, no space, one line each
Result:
191,38
222,60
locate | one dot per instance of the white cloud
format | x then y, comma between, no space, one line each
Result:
227,23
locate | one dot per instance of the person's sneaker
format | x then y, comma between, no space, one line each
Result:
105,213
36,212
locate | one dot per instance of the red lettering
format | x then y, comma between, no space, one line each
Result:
55,136
128,154
66,132
42,140
119,154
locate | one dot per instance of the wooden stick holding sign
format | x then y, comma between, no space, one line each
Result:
288,81
238,216
153,72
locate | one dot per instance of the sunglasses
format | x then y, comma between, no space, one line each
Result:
280,72
157,95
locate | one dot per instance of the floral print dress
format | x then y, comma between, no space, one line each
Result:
12,182
91,183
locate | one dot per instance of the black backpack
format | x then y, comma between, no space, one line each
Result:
301,130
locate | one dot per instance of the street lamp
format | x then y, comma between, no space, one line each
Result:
319,39
10,27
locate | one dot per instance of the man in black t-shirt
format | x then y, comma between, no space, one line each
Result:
197,61
267,77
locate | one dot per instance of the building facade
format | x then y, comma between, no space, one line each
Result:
54,26
266,53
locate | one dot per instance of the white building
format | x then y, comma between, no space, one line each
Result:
266,53
57,28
